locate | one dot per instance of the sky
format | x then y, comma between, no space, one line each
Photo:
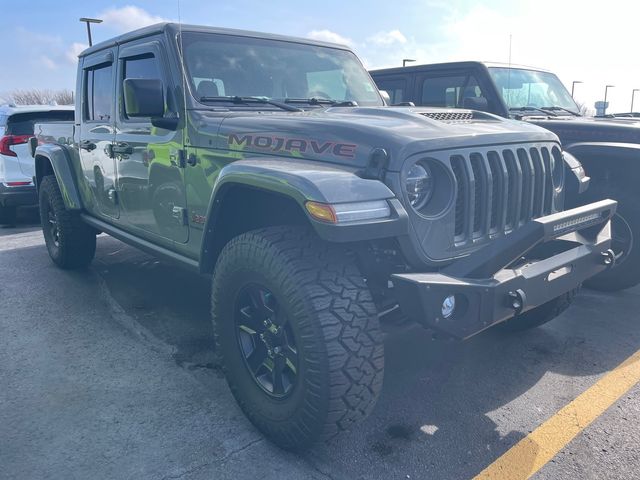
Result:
588,40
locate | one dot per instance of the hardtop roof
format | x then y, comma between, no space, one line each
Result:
465,63
174,28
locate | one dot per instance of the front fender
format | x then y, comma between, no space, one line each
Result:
303,181
57,157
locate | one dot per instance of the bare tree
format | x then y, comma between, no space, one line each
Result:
584,110
40,97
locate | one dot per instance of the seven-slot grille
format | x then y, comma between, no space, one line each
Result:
499,190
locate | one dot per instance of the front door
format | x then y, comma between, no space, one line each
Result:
97,132
148,160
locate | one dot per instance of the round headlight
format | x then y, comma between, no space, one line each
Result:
419,185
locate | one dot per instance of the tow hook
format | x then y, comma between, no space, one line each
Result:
517,300
608,258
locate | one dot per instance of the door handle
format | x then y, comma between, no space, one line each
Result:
87,145
122,148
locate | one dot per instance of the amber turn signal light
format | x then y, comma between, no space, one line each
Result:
322,212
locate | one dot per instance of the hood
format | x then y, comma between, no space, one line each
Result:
589,129
348,135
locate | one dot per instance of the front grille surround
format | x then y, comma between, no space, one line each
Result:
491,191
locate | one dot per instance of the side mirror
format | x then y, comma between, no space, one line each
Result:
386,97
143,97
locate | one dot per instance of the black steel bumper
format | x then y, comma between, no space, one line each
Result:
18,196
535,264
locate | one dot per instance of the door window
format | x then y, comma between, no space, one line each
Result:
449,91
98,93
395,88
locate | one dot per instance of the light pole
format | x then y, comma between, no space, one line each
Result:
633,93
89,21
573,86
406,60
604,108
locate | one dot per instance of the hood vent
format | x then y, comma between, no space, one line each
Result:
456,116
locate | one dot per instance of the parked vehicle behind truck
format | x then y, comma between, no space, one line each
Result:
276,168
608,148
16,165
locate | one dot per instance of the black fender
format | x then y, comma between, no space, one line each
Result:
52,158
607,162
302,181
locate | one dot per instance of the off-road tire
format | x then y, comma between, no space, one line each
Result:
334,322
539,315
625,273
7,215
75,244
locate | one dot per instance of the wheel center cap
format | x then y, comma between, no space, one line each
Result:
271,338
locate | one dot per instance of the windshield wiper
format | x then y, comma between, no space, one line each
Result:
528,108
556,107
323,101
247,100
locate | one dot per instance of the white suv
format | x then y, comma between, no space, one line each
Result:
16,164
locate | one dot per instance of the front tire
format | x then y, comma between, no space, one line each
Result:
539,315
300,306
71,242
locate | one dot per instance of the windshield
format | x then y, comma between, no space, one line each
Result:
530,88
224,65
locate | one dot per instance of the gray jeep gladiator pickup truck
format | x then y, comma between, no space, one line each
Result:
273,164
609,148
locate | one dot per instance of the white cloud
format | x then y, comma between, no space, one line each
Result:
48,62
71,55
587,43
387,38
129,18
329,36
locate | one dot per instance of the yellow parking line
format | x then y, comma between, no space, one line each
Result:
534,451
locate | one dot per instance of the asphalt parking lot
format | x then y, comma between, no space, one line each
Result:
110,373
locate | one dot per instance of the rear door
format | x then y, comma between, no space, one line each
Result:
150,175
97,131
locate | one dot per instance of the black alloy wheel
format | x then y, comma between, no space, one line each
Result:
50,227
266,341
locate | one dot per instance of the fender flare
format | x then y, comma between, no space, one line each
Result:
302,181
58,158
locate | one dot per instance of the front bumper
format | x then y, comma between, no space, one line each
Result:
18,196
533,265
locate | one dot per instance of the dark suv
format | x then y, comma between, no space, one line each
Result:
609,148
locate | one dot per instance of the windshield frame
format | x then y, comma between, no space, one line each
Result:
550,79
233,103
